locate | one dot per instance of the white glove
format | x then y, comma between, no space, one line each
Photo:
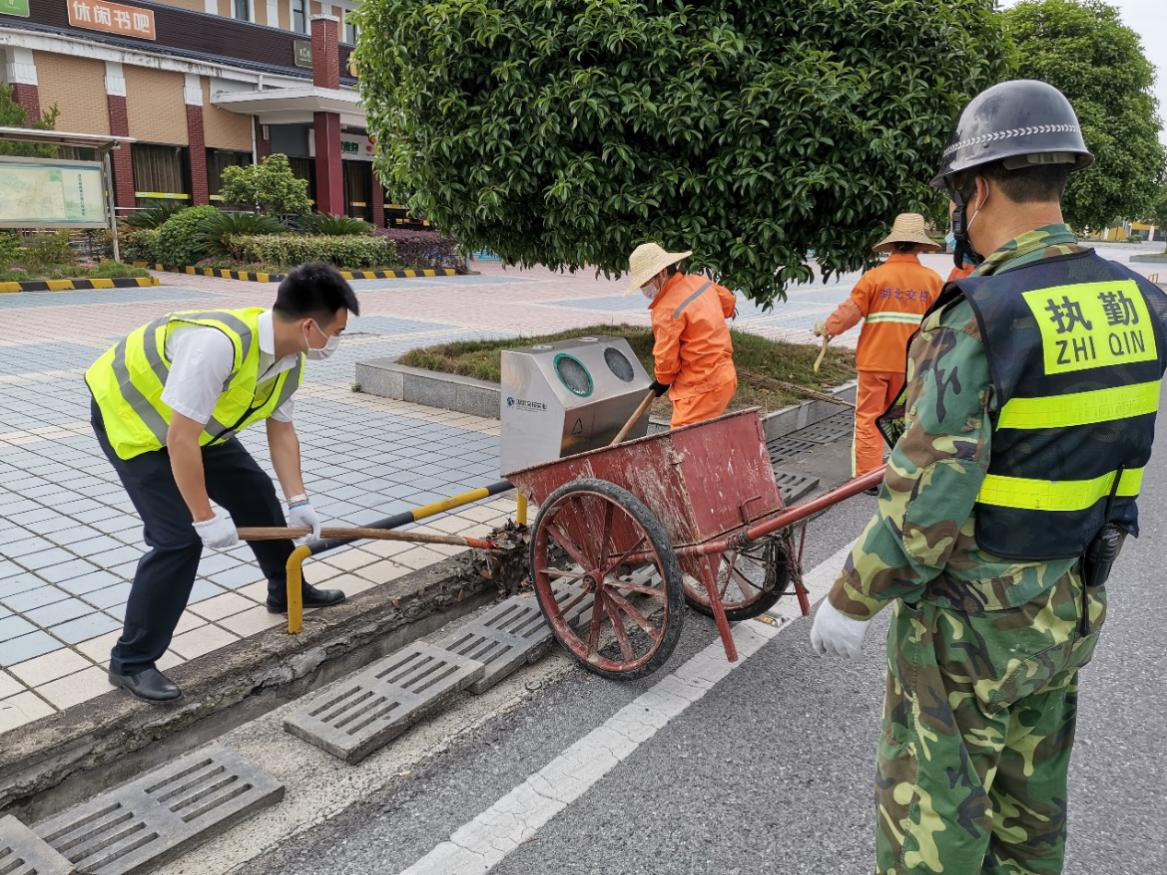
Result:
820,329
836,633
218,532
301,515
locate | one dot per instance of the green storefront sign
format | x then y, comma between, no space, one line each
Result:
302,51
14,7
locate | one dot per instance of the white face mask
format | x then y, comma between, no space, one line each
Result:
331,342
649,291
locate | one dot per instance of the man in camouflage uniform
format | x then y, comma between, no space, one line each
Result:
985,645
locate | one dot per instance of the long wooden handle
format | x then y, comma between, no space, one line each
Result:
635,418
280,533
818,363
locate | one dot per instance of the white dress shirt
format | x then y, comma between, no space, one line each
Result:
201,360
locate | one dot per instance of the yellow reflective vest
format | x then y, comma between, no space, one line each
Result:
128,379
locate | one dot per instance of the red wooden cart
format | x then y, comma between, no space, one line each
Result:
638,529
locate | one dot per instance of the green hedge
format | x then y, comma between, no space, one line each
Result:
181,240
141,245
288,250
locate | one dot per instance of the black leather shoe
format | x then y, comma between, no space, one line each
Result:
149,685
313,598
871,490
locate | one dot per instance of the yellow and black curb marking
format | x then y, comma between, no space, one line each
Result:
261,277
77,285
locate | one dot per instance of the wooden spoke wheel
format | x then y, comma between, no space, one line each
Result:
749,580
607,579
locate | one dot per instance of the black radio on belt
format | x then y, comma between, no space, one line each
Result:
1101,553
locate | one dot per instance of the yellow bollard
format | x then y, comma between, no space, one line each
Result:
295,575
521,510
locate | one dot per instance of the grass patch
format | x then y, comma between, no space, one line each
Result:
102,270
775,359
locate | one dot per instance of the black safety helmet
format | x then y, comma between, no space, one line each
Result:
1018,123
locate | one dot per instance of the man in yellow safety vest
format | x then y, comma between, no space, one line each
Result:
168,402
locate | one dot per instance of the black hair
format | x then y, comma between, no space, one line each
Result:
315,290
904,247
672,269
1040,183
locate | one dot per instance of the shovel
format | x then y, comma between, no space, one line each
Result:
281,533
644,405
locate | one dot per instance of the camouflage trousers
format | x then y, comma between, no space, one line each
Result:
978,724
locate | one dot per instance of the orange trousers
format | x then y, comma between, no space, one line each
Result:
703,405
876,392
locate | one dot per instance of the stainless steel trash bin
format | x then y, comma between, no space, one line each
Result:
563,398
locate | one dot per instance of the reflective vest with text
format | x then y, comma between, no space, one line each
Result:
1077,350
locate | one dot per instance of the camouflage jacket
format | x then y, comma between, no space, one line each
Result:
921,544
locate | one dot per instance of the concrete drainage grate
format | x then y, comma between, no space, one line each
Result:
794,486
829,430
162,814
785,448
503,639
23,852
357,715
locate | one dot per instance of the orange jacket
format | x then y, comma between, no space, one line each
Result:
959,273
692,348
891,299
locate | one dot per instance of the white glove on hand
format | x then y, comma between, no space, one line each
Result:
301,515
218,532
836,633
820,329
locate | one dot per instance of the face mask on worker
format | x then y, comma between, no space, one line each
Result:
319,353
650,289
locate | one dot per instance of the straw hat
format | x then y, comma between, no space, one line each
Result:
647,260
908,228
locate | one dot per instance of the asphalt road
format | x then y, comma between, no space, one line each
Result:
771,771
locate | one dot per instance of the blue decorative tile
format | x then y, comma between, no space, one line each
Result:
13,626
84,628
34,598
27,647
58,612
89,582
204,590
109,596
67,570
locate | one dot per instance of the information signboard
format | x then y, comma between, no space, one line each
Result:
45,193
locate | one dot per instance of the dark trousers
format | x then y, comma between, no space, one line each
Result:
166,574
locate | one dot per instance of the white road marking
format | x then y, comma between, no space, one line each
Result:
479,845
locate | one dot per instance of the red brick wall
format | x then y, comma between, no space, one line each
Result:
199,192
378,202
329,179
123,165
325,53
29,100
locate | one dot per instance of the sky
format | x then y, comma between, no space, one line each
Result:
1148,18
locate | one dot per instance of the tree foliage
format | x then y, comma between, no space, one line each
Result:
1083,48
566,133
269,186
12,115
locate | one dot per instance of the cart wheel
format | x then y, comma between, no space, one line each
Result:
625,607
749,581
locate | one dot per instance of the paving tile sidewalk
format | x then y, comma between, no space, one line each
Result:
69,537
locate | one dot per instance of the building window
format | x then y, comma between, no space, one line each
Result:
241,9
160,173
219,160
350,30
300,16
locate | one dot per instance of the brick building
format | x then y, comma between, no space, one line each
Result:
202,85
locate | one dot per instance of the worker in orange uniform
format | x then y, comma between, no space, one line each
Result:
891,300
692,348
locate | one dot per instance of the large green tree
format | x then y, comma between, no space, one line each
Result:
12,115
1083,48
566,132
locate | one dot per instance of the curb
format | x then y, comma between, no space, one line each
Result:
262,277
77,285
388,379
68,757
